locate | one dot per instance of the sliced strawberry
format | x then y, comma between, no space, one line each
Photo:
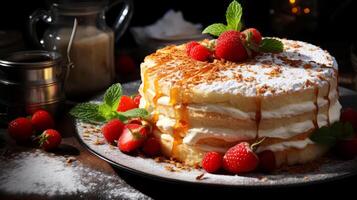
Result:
132,137
152,147
256,36
126,103
112,130
190,45
136,100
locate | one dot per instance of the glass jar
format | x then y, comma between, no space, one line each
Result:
92,50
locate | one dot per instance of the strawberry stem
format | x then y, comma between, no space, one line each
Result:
255,145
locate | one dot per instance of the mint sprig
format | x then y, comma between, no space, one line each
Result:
330,135
112,95
271,45
106,110
88,112
234,15
215,29
233,18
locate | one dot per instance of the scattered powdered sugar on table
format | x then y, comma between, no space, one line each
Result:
41,173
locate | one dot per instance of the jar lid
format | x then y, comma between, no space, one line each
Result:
31,59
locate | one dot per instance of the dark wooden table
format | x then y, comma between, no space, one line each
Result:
145,188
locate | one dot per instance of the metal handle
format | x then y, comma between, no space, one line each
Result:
34,18
122,21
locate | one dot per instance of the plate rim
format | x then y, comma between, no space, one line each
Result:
184,182
198,183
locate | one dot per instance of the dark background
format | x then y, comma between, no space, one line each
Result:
329,25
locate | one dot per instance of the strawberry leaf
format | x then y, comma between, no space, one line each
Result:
215,29
233,15
271,45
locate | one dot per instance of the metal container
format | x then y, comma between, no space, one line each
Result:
30,80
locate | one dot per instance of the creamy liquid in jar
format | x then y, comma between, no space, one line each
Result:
92,53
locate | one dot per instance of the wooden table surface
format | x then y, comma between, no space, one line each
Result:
142,187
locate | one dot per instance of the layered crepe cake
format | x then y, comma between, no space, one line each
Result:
198,107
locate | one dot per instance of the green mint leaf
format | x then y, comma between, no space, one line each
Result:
346,131
137,112
330,135
119,116
87,112
112,95
106,111
215,29
271,45
323,136
233,15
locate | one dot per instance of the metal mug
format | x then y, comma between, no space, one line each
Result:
30,80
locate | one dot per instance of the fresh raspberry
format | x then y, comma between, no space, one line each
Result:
132,137
229,47
267,162
240,159
190,45
200,53
349,115
112,130
136,100
212,162
42,120
20,129
256,36
126,103
347,149
152,147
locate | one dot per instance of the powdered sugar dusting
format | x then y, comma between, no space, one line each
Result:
266,74
43,174
284,72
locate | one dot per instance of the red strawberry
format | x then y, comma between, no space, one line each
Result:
132,137
20,129
136,100
229,47
42,120
347,149
212,162
152,147
50,139
349,115
190,45
200,53
126,103
124,64
267,161
256,36
240,159
112,130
